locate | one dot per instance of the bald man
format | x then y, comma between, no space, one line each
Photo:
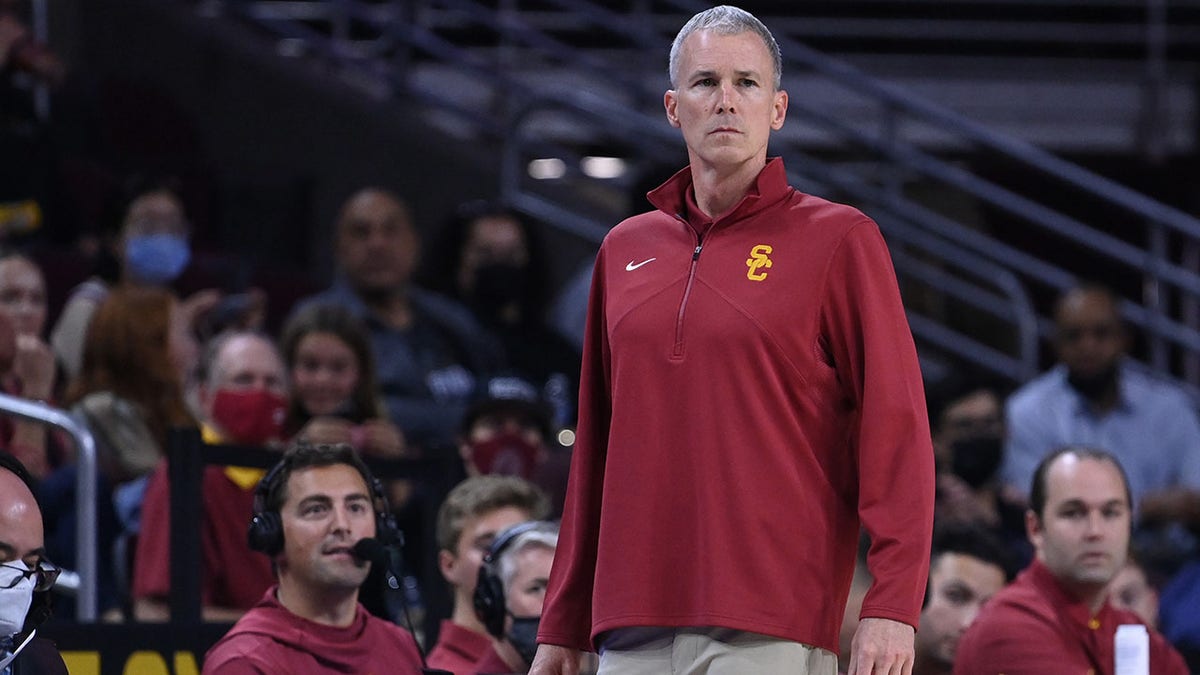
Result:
24,574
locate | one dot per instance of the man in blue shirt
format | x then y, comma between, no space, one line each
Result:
430,354
1097,398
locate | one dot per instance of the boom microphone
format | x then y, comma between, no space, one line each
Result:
369,549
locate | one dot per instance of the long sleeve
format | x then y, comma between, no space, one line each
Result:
876,363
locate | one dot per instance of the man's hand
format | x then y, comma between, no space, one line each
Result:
555,660
881,647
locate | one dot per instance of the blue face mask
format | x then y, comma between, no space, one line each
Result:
156,258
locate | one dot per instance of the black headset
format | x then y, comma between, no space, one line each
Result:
489,588
266,527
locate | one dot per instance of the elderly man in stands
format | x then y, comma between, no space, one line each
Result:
1096,397
431,352
243,397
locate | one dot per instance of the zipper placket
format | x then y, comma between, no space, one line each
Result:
687,290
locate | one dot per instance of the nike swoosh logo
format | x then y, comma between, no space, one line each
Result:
629,267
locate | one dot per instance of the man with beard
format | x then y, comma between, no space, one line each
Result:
1056,618
430,353
311,511
1096,397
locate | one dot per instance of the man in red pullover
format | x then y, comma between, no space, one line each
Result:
1056,618
311,510
750,396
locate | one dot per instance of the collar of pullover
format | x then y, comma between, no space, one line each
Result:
676,197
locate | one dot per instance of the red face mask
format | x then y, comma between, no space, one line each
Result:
249,417
508,454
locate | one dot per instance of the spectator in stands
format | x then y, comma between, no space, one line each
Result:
509,433
152,250
509,594
966,418
471,516
29,147
431,352
1131,591
311,510
129,393
967,567
335,398
130,389
32,371
1055,618
1177,612
243,401
26,577
1096,397
499,270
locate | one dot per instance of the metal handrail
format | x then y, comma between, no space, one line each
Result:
85,492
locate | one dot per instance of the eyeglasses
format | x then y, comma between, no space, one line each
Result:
45,573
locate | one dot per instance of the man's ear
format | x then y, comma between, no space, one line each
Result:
779,110
468,458
446,564
671,104
1033,528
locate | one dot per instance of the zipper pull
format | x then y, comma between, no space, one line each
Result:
696,253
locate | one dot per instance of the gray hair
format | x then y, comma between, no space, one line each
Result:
725,20
544,534
211,372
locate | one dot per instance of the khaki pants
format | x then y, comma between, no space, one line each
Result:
708,651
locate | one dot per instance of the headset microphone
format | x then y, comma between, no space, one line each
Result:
372,550
369,549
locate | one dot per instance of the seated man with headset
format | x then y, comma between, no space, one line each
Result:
322,517
509,594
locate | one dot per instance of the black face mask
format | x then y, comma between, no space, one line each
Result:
1094,387
976,458
498,285
523,636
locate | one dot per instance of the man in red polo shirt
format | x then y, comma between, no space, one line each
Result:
1056,618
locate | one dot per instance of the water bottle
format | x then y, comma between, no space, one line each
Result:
1132,651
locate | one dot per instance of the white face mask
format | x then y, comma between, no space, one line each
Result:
15,601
